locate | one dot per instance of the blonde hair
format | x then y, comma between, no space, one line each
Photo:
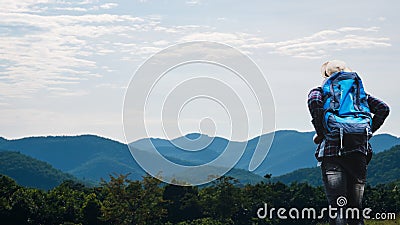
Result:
333,66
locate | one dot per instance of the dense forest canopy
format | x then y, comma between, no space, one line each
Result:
125,201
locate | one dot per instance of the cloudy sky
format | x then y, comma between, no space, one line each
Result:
65,65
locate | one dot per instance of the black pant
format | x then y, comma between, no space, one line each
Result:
344,177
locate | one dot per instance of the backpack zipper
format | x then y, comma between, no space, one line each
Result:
341,141
366,144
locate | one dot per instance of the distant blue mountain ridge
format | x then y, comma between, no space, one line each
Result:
290,150
92,157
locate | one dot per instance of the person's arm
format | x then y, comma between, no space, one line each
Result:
315,105
380,110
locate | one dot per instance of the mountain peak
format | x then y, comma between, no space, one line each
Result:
193,136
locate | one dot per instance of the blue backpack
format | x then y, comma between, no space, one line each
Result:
347,118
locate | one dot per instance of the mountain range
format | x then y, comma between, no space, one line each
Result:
87,157
383,168
290,150
90,157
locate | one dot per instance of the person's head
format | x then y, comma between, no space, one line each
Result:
333,66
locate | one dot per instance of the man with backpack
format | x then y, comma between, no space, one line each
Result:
341,115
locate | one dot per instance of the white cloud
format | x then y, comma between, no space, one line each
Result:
348,29
161,43
21,6
325,42
77,9
72,93
193,2
108,6
84,2
379,19
316,45
237,39
41,51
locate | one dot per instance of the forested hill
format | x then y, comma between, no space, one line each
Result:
383,168
31,172
90,157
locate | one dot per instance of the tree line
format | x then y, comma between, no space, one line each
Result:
149,201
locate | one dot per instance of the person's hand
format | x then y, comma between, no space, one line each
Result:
317,139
